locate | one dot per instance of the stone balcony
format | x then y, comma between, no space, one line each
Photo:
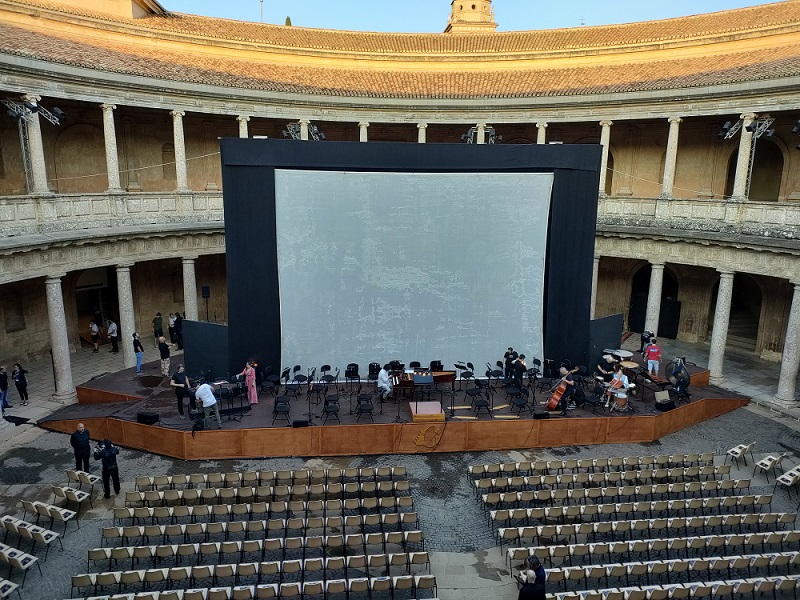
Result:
766,223
76,216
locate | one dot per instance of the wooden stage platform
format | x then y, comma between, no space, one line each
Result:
255,435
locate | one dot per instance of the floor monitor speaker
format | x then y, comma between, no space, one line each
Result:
147,418
300,423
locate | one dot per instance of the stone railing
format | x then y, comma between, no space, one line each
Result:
773,220
29,215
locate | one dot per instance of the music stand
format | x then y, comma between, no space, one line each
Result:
422,382
225,385
309,387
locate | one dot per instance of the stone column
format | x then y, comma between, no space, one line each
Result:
35,150
671,159
743,160
605,142
304,123
541,133
791,354
421,127
127,321
243,119
480,133
654,297
180,151
110,138
59,340
719,335
189,290
362,131
595,270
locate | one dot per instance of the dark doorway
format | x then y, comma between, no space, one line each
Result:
670,313
96,299
745,312
765,182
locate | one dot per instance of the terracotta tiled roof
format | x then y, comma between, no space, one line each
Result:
683,29
139,59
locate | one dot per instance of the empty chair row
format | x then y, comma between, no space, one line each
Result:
676,508
709,568
7,588
267,477
81,478
733,589
591,465
413,584
706,545
17,559
265,548
70,495
29,531
264,509
311,569
267,493
49,512
573,480
714,487
629,529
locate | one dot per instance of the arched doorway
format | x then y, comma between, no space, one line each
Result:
95,299
670,313
745,312
765,182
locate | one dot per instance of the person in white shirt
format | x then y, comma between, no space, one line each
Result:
205,394
94,330
112,336
618,388
384,384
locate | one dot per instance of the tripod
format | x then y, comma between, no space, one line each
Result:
310,414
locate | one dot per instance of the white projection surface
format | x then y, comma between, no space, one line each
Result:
377,266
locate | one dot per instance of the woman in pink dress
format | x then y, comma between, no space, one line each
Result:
250,381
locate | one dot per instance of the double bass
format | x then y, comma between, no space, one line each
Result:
555,397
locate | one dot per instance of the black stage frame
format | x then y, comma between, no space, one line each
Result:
248,175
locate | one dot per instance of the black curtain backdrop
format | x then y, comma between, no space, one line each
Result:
251,247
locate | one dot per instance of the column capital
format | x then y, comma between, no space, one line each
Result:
482,125
656,265
108,107
31,97
363,123
606,123
177,113
243,118
422,125
675,120
724,274
55,278
189,259
748,116
541,125
304,121
124,266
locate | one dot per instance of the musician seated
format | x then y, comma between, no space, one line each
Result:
605,367
568,397
618,390
384,383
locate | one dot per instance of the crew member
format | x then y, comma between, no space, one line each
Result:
108,454
113,332
508,362
180,382
519,370
384,383
605,367
653,355
205,393
533,581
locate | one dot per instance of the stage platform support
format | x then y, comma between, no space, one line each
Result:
410,438
426,412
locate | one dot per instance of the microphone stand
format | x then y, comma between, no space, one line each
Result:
308,395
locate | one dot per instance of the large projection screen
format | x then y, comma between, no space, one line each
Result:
287,258
380,266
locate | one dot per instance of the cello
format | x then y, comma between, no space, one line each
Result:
555,397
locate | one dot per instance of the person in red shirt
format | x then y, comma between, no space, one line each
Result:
653,355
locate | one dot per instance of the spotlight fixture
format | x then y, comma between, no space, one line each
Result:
292,132
725,132
752,127
31,106
769,133
59,114
796,128
470,137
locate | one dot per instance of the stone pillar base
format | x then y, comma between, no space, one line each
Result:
717,380
783,402
65,397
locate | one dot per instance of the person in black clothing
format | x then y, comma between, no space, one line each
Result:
533,581
108,454
519,370
508,361
82,446
179,330
21,382
4,388
180,382
163,349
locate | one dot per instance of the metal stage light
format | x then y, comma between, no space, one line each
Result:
796,128
292,132
470,137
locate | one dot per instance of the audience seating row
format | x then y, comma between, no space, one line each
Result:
312,569
598,553
49,511
7,588
29,531
268,493
81,477
714,487
518,535
734,589
69,494
676,508
529,482
266,477
544,467
414,584
17,559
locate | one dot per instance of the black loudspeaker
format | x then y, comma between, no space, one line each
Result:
206,291
665,406
300,423
147,418
541,415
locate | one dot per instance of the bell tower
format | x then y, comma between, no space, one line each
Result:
471,16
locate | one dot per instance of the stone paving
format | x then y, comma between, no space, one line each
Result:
465,559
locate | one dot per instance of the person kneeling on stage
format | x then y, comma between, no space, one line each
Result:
205,393
568,397
384,383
